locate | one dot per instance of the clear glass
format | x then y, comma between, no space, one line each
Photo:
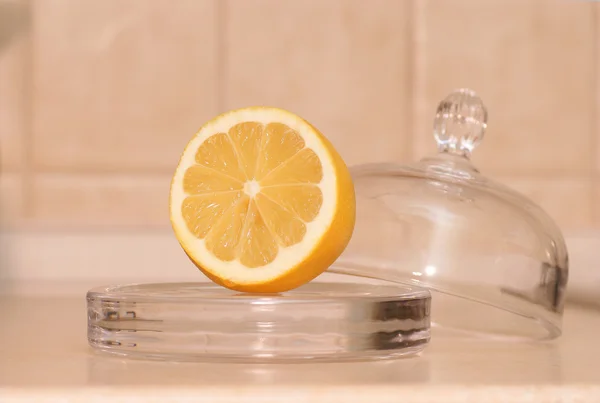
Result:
495,262
335,319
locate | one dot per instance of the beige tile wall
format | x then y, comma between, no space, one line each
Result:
98,98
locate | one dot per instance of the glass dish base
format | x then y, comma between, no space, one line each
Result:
323,321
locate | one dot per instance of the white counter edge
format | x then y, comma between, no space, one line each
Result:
39,257
312,394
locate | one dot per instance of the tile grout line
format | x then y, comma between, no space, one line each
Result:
407,154
418,38
221,53
27,115
595,129
145,173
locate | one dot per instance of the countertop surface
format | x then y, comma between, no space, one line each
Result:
44,356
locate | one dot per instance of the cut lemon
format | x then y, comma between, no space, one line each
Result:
261,201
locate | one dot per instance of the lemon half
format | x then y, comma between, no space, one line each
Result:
261,201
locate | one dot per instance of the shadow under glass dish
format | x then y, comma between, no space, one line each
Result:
327,321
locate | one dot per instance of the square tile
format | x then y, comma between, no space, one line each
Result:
11,200
532,63
101,201
568,201
596,202
343,66
121,85
11,214
597,80
14,69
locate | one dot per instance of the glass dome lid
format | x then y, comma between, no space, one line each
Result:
495,262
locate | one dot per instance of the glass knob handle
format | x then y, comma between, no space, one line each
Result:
460,122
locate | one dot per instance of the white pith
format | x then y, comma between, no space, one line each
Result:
288,257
